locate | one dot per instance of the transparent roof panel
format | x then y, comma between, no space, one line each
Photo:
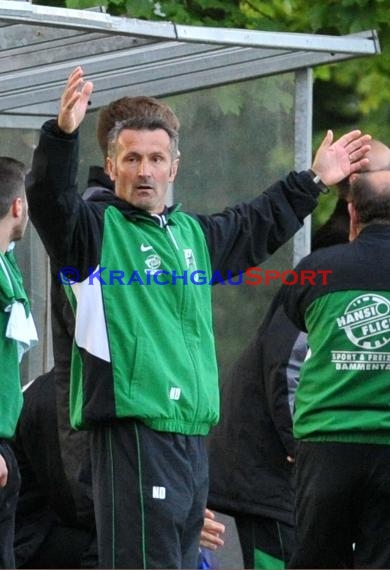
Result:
40,45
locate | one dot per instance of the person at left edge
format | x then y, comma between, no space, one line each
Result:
149,512
18,333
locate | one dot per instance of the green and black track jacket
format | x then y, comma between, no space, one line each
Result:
145,349
343,393
11,399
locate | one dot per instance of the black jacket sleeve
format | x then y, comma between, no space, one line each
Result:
56,209
313,278
243,236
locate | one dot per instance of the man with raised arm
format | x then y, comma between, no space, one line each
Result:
144,373
17,335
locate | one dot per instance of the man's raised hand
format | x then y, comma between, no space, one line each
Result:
74,101
337,160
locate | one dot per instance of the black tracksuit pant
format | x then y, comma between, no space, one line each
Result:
8,499
266,543
342,498
150,490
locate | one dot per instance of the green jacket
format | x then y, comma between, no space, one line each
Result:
343,393
159,345
11,399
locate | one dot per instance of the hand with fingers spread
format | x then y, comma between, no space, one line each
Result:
74,101
334,161
211,531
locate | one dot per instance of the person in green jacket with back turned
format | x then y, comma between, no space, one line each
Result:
17,333
342,409
144,373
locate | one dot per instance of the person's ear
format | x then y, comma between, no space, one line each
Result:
17,208
354,225
174,169
106,165
110,168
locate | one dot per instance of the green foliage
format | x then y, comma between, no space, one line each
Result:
367,79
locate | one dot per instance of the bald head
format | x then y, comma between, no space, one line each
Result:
379,159
378,156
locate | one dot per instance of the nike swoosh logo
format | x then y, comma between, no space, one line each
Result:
145,247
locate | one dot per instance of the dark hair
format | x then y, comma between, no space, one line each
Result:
12,176
128,108
335,230
140,123
371,197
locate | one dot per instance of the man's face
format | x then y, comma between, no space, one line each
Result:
143,168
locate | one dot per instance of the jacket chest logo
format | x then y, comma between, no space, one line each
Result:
153,262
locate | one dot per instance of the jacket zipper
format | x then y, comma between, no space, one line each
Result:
163,223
